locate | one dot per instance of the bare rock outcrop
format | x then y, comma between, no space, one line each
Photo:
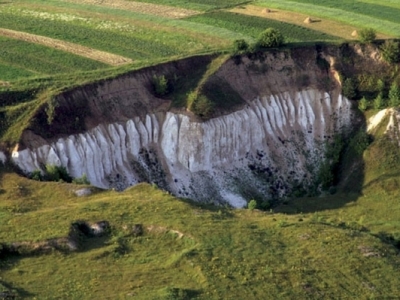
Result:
119,133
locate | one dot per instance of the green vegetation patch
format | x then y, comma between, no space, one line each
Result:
8,72
254,26
198,4
178,25
32,58
374,10
135,43
189,251
349,12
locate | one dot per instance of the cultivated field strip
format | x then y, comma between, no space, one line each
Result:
121,38
19,59
141,7
324,25
202,5
104,57
377,10
252,26
357,16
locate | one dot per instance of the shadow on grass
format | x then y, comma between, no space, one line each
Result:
221,212
13,292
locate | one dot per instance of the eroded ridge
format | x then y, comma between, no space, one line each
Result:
283,144
101,56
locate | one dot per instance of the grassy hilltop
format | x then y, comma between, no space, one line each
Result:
341,246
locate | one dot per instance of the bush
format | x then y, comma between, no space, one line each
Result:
349,88
160,85
360,141
202,106
271,38
81,180
252,204
391,52
36,175
367,35
240,46
327,173
57,173
363,104
394,95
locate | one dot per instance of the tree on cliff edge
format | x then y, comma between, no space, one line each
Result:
271,38
367,35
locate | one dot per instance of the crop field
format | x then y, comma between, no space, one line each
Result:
143,7
147,31
26,58
339,30
253,26
145,44
202,5
383,17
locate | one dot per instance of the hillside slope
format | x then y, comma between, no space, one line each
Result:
264,138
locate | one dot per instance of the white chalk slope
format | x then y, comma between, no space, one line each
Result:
262,150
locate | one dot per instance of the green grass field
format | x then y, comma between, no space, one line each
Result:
382,17
37,59
253,26
342,246
202,5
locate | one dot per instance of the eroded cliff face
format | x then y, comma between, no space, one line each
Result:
269,144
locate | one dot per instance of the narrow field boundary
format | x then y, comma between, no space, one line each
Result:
101,56
141,7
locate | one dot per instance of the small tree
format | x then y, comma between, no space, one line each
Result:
391,52
202,106
394,95
363,104
252,204
367,35
380,86
271,38
160,85
379,103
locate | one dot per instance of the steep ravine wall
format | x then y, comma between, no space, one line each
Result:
263,148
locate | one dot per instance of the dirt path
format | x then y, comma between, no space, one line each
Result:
104,57
141,7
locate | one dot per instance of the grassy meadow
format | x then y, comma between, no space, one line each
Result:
341,246
311,248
